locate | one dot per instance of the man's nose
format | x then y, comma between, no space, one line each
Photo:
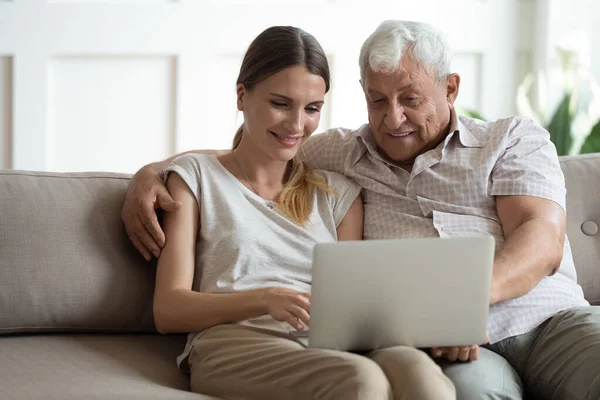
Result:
394,116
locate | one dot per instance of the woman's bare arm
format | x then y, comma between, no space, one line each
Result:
351,227
179,309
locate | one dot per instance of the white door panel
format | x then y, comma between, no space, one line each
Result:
112,85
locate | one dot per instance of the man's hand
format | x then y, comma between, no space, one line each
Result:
457,353
146,193
462,353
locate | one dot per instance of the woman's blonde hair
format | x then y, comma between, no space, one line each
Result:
273,50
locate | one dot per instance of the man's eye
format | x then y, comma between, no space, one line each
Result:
378,103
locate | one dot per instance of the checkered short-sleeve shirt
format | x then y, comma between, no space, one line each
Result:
451,192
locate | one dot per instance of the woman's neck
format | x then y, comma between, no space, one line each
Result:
259,168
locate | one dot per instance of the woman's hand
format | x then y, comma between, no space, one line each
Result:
288,305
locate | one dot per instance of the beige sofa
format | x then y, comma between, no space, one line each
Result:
76,298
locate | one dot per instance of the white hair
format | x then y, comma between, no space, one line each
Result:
383,50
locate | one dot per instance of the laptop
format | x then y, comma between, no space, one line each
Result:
417,292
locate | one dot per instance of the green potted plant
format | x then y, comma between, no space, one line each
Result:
574,124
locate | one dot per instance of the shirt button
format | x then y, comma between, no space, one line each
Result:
590,228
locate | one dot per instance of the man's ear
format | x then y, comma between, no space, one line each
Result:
240,92
363,85
452,85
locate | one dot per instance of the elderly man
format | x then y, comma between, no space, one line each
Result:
428,172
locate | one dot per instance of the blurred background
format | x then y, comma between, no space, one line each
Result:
114,84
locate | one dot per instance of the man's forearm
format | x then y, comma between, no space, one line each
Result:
534,250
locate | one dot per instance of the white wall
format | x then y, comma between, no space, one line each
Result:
112,85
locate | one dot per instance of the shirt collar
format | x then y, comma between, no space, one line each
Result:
466,137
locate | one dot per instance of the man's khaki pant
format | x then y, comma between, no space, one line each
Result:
559,360
237,362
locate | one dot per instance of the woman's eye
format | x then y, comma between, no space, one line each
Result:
312,110
278,104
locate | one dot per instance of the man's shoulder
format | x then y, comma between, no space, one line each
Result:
332,149
335,140
331,177
502,128
340,134
507,124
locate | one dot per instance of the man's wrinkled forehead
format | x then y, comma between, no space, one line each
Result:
400,79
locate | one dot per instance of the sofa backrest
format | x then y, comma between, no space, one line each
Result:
66,263
582,176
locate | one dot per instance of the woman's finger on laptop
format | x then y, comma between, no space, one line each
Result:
294,323
303,300
300,314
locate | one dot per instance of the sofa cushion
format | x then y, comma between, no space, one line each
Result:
66,263
582,176
92,366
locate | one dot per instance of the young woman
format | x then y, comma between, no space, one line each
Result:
235,269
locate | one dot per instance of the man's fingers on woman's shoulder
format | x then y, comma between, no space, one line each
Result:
170,206
132,227
144,235
166,202
140,247
154,229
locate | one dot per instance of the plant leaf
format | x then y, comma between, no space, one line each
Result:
469,113
592,142
560,126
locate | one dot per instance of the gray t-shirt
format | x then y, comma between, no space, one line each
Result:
245,244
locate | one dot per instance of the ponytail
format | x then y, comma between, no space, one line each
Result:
238,137
296,199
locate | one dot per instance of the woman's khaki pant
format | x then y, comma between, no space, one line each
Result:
237,362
